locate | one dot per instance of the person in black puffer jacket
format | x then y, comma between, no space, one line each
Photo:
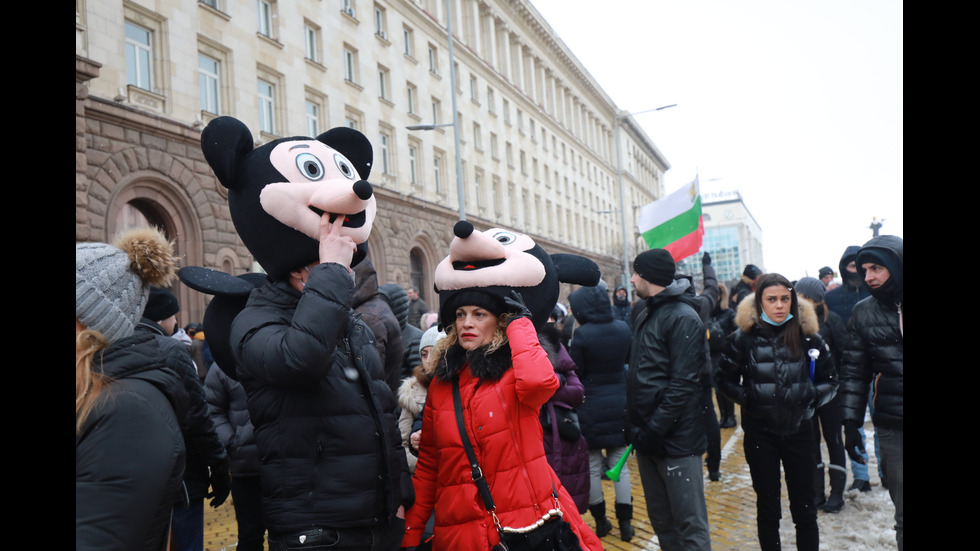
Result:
779,370
377,314
325,419
665,420
600,349
207,460
397,299
874,351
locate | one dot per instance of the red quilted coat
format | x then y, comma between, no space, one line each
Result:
501,419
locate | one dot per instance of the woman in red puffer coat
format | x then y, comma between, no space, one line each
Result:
504,377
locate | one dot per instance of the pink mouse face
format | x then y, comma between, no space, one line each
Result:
318,180
494,257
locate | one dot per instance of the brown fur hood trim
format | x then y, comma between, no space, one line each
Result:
483,366
746,317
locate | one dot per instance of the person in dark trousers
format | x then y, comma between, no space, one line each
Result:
229,411
207,460
827,419
600,348
664,415
777,367
720,325
842,301
875,352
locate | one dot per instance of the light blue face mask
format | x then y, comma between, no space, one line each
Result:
766,319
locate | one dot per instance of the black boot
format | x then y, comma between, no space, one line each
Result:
838,479
624,513
602,524
820,497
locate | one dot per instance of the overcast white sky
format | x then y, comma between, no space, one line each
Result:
797,105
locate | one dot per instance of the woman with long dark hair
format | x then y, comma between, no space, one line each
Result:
778,369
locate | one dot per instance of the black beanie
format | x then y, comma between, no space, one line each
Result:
656,266
752,271
484,298
161,305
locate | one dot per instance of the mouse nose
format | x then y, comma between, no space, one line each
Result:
363,190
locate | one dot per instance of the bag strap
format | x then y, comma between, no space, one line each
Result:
476,473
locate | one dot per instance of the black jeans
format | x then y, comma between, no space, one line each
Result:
247,497
764,453
377,538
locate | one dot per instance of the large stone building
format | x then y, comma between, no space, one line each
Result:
538,150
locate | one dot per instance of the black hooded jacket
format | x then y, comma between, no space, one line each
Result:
667,360
377,314
600,348
874,350
851,291
204,448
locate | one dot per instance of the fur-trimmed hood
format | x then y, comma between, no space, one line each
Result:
411,395
483,366
746,316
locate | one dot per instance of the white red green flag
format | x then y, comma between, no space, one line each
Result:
674,222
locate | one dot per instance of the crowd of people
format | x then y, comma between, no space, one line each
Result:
340,412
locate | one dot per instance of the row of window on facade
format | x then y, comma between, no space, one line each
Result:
595,133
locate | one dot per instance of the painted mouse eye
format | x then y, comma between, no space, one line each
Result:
310,166
505,237
345,166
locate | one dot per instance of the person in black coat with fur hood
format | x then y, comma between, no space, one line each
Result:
779,370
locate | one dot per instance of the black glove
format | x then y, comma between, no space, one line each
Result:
220,484
515,305
852,443
705,259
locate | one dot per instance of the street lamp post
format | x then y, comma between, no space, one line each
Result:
622,194
455,123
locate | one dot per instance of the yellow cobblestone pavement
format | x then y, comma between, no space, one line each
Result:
730,501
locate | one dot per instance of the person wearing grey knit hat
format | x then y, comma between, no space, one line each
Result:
811,287
129,403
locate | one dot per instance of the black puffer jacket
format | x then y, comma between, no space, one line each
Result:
326,422
774,389
851,291
600,348
663,384
229,412
129,454
204,448
874,352
376,313
397,299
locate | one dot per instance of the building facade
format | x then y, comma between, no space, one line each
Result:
536,133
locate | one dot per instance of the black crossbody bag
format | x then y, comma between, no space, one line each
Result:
551,531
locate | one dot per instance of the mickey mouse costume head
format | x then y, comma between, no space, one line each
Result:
483,268
277,192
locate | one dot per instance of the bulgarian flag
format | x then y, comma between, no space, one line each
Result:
674,222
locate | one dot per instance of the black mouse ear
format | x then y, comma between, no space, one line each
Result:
224,141
576,269
213,282
353,145
230,296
